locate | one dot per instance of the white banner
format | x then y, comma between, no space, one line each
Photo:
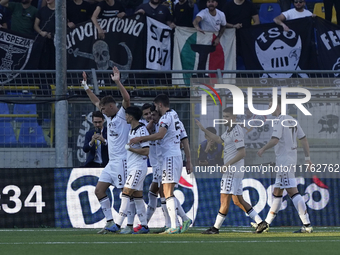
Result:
158,51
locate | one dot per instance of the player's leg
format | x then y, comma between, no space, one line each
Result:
153,196
249,210
104,182
301,208
130,218
237,202
141,212
222,214
172,170
186,221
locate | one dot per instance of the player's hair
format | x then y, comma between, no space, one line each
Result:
212,130
135,112
229,110
153,108
97,114
146,106
107,100
162,98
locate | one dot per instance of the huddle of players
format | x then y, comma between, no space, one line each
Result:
130,142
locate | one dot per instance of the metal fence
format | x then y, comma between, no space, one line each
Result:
27,105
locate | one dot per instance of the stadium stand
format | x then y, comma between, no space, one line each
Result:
319,10
31,135
268,11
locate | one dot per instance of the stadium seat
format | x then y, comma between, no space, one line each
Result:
268,12
7,136
31,134
319,10
25,109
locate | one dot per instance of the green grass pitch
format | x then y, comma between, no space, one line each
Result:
239,240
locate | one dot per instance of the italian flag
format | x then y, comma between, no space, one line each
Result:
193,50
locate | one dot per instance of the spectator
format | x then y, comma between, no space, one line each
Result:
285,5
23,16
239,14
184,12
297,12
95,144
3,19
157,11
130,6
78,11
211,20
45,26
210,153
328,4
104,10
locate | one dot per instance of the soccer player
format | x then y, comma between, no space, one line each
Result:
172,160
137,155
284,140
117,135
231,183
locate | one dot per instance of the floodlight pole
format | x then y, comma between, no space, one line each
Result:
61,105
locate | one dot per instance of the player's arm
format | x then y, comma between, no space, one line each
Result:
142,151
94,99
305,146
157,136
272,142
187,152
211,135
241,153
116,78
279,21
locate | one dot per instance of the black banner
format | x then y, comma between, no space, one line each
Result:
328,44
268,47
124,45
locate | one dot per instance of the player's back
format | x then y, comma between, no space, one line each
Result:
170,145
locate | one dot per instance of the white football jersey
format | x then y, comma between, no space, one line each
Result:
117,134
134,159
233,139
182,132
286,149
170,144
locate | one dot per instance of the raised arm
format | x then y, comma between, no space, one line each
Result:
94,99
116,78
211,135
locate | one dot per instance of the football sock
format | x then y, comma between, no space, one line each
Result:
171,206
274,209
131,212
124,207
300,206
180,211
165,212
219,220
141,211
253,214
151,206
106,208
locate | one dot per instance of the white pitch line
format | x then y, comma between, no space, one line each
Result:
174,242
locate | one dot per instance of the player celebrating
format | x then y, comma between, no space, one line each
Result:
231,183
137,155
172,160
284,140
117,134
